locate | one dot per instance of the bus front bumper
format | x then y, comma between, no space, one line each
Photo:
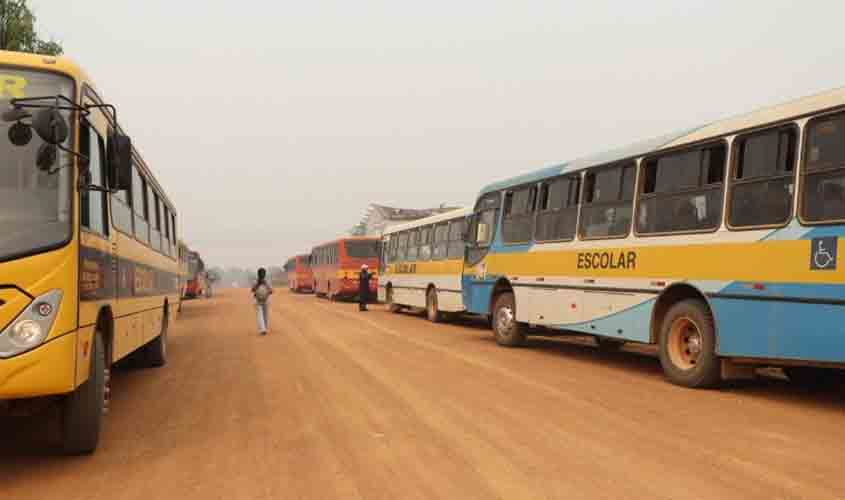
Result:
44,371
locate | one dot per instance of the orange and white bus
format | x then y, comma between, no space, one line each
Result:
336,266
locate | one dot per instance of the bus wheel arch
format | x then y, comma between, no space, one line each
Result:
507,330
686,337
668,298
105,325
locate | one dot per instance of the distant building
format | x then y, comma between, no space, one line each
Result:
380,217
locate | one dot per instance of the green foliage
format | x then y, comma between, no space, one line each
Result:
17,30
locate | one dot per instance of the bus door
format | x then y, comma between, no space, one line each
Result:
477,283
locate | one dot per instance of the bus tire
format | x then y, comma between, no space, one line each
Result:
82,410
431,311
688,346
509,332
609,344
155,353
391,306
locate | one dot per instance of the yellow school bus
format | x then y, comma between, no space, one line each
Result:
88,248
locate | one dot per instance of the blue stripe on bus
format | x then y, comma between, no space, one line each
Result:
787,330
633,323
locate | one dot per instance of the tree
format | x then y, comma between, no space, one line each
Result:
17,30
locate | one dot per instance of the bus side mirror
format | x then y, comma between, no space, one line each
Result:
119,160
483,229
50,126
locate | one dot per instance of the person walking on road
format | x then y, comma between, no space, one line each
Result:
262,291
363,288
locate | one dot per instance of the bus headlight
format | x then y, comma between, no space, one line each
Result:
31,328
26,334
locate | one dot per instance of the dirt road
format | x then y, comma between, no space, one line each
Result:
340,404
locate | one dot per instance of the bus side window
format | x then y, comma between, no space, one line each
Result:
139,205
456,240
518,220
93,209
683,191
823,189
608,200
425,243
762,184
413,245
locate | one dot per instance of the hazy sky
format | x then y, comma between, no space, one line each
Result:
272,124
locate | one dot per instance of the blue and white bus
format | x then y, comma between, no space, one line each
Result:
718,244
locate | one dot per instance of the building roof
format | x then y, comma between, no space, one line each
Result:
407,214
769,115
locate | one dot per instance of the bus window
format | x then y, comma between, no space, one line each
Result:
413,245
361,249
518,220
402,246
152,214
682,191
93,203
441,241
608,202
425,243
763,182
823,196
139,206
456,239
558,209
121,211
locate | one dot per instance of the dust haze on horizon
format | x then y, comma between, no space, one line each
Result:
272,125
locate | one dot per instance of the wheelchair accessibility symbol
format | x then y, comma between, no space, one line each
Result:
823,256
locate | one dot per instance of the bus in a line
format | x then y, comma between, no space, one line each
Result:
719,244
196,284
88,252
336,265
422,264
300,276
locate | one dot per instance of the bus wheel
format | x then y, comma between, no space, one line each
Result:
392,306
155,353
688,346
608,344
508,331
434,315
82,410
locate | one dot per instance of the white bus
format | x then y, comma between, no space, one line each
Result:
422,264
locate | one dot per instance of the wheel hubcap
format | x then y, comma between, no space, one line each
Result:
685,343
504,319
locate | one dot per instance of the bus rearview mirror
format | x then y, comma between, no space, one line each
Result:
119,160
50,126
481,236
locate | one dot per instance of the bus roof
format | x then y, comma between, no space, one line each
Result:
765,116
348,238
432,219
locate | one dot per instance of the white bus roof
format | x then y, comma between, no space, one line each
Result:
452,214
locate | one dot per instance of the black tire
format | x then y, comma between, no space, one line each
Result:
609,344
812,377
155,352
509,332
688,346
82,410
391,306
431,310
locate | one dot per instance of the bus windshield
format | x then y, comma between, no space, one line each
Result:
35,205
362,249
